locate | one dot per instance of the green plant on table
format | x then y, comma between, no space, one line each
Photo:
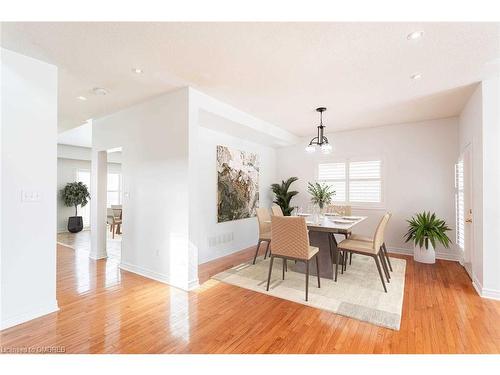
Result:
321,194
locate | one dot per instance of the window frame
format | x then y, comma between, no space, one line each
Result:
347,161
119,191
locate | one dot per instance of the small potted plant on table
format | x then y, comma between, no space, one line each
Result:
321,195
75,194
425,230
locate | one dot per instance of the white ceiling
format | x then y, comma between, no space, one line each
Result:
78,136
279,72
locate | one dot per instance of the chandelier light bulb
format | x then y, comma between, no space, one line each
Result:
326,148
310,149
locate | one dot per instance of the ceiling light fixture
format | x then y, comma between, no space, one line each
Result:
416,76
320,140
82,98
415,35
99,91
137,70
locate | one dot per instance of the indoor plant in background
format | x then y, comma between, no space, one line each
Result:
425,229
282,196
75,194
321,195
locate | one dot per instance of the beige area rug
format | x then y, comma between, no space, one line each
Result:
358,293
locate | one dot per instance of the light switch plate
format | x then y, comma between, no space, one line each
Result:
30,196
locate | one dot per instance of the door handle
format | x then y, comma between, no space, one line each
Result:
468,221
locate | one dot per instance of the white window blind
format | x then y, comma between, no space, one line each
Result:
365,181
353,181
334,174
459,204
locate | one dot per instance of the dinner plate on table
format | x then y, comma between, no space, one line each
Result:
351,218
342,221
331,214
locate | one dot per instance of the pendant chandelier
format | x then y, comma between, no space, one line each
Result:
320,141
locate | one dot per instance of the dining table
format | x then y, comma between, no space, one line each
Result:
322,233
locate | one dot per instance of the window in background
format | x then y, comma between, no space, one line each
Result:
114,189
83,175
334,174
358,183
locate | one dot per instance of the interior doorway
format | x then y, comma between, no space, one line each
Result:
114,207
464,209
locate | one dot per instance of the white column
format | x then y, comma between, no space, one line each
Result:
98,204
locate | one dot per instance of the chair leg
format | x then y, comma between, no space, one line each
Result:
267,250
342,263
307,279
317,270
337,264
284,266
113,231
270,270
256,251
380,272
384,266
350,258
387,256
382,257
346,256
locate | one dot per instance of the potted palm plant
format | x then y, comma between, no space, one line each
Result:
321,195
282,196
425,230
75,194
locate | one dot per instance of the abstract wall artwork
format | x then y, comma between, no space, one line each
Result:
237,184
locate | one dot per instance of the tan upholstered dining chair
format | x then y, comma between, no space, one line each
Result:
276,210
369,239
372,249
291,241
264,219
339,209
113,221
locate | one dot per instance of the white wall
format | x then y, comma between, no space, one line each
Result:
234,235
154,140
66,172
491,186
470,133
28,161
418,161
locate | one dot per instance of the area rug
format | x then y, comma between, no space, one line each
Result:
358,293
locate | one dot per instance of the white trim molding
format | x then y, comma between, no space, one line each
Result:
157,276
30,315
485,292
439,254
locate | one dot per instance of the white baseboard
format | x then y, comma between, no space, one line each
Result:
485,292
490,294
30,315
439,254
162,278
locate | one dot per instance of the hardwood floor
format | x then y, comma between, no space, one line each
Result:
106,310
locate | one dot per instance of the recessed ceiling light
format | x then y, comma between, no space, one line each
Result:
82,98
99,91
416,76
137,70
415,35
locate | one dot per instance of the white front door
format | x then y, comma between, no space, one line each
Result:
464,205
